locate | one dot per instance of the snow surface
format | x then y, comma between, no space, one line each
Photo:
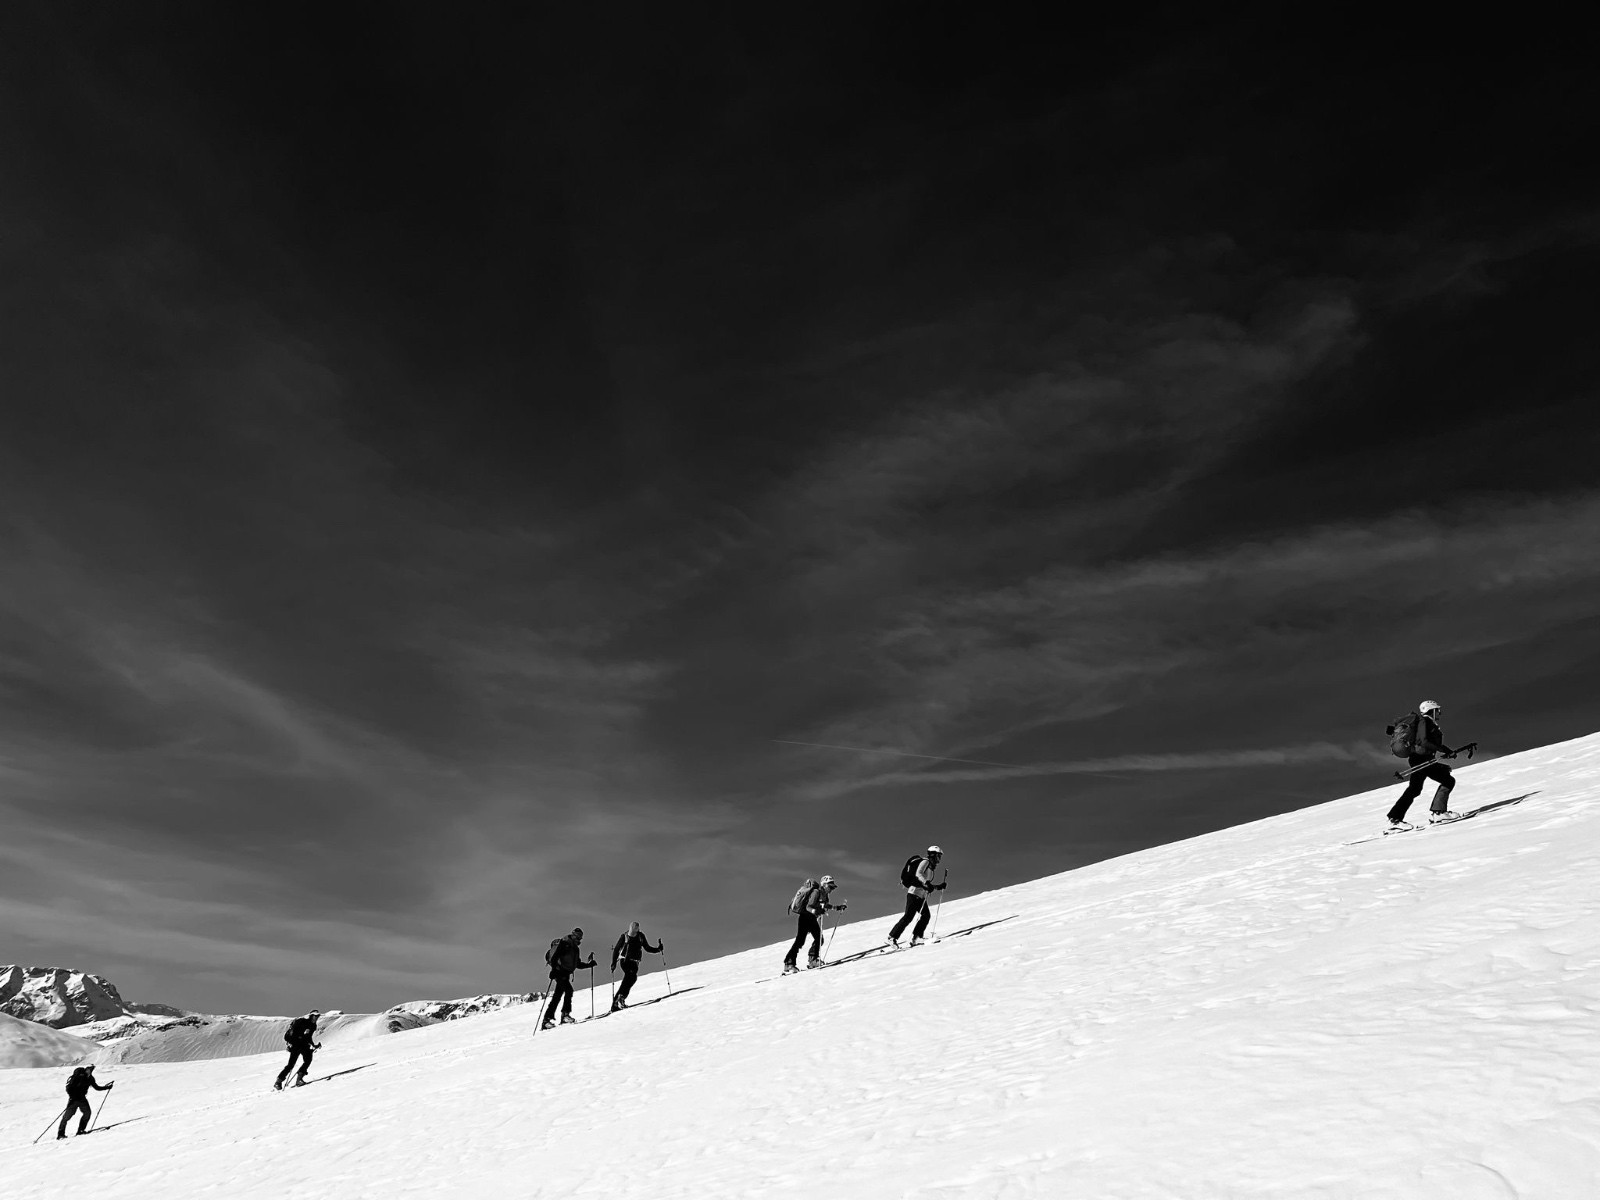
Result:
1261,1012
30,1044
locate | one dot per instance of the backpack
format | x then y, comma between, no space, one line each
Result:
908,873
1403,735
796,905
550,954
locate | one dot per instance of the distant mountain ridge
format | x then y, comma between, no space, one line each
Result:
45,1002
62,998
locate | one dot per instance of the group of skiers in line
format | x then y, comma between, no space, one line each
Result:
627,953
812,902
1416,737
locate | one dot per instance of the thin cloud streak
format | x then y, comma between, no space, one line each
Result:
1276,756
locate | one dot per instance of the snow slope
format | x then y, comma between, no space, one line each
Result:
198,1037
1262,1012
30,1044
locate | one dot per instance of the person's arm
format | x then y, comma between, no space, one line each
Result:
103,1088
656,949
616,951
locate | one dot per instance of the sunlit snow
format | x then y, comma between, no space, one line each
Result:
1262,1012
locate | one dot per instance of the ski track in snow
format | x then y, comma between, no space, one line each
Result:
1262,1012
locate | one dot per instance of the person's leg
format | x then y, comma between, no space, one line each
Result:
287,1067
913,903
555,997
816,938
73,1105
305,1064
799,940
630,973
922,921
82,1106
566,996
1446,781
1413,789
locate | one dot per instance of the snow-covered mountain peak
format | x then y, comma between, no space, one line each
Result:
58,997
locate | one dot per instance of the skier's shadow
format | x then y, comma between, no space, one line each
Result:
668,996
1499,804
114,1124
346,1071
945,937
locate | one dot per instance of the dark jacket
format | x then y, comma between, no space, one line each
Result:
565,959
301,1033
630,947
78,1085
1429,739
816,901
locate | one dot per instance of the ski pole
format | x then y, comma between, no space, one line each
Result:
664,969
938,902
101,1109
591,993
56,1122
833,928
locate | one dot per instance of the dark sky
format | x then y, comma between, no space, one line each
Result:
448,459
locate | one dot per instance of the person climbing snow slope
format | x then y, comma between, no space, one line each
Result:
809,904
301,1040
627,953
78,1085
917,878
1418,736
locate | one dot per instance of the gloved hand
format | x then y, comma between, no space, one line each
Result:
939,887
1452,754
842,905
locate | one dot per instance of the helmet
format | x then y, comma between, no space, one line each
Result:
578,933
315,1012
1428,706
828,881
936,850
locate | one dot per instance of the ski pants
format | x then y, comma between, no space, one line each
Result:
75,1104
809,927
560,993
1441,797
914,905
303,1053
630,976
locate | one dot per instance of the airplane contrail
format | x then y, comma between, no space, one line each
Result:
976,762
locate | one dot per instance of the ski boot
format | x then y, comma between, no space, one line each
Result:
915,942
891,943
1443,818
548,1024
1399,826
813,963
790,969
568,1019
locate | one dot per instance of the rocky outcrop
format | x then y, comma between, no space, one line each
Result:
57,997
454,1010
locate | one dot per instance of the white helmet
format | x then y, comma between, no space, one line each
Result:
1428,706
936,850
827,881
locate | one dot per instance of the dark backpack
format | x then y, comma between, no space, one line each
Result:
553,953
1403,735
795,905
908,873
